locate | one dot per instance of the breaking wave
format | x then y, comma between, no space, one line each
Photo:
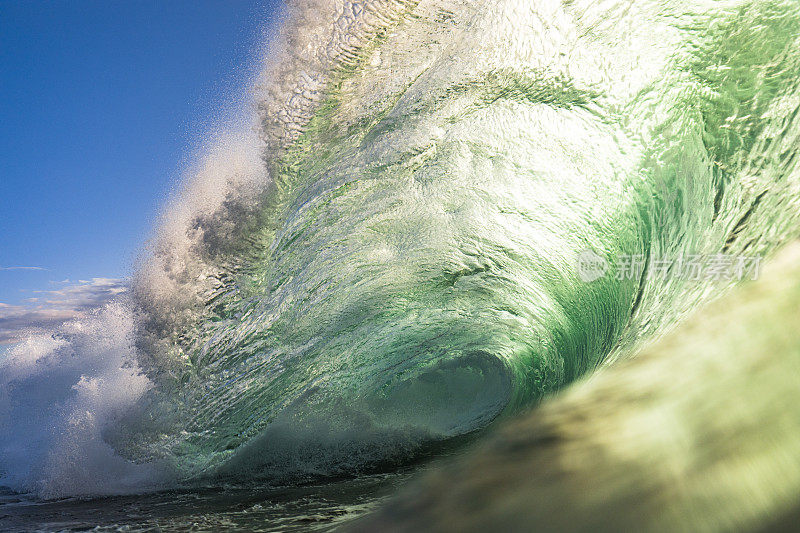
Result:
389,256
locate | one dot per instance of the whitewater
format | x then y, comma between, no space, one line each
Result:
386,257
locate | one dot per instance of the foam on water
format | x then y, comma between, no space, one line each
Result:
58,394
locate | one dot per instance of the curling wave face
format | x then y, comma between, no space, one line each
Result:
391,260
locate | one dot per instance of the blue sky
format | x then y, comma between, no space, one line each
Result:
101,104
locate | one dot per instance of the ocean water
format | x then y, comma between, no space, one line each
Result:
315,507
440,213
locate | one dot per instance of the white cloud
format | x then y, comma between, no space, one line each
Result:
22,268
52,307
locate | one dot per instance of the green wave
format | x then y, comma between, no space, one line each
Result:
409,271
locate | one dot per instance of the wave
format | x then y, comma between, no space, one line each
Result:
390,255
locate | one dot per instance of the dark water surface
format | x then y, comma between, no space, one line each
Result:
316,507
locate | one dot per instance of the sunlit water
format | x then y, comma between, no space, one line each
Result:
390,258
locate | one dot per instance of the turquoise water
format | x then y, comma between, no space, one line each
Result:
389,256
